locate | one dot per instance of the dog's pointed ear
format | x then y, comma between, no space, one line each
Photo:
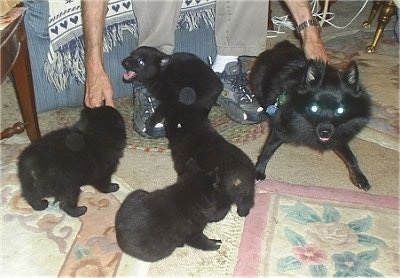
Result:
314,73
350,76
165,61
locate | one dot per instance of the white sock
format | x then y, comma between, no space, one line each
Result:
221,61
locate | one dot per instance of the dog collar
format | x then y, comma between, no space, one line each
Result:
273,108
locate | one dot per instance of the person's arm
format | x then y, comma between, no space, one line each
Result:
313,46
98,90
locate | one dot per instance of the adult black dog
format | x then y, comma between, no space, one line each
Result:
62,161
164,76
309,103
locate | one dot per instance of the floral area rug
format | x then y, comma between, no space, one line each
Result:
292,230
313,231
50,243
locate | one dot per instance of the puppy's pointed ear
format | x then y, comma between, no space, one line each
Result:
350,76
165,61
314,73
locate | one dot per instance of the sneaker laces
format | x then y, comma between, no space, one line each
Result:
149,104
240,84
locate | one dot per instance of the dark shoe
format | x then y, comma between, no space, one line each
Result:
143,108
239,103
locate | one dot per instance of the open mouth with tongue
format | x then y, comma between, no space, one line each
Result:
324,132
129,76
324,138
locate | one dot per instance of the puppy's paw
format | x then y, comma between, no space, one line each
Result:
41,205
215,244
113,187
243,211
260,176
75,212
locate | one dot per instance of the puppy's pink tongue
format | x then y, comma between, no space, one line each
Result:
129,75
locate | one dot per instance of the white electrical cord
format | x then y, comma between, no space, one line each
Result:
325,11
320,16
283,22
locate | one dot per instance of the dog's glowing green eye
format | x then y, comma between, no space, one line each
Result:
314,108
340,110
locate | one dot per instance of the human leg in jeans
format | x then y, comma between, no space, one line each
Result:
240,29
157,22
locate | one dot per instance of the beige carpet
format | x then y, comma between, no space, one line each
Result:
49,243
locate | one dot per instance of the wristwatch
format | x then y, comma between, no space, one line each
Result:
308,23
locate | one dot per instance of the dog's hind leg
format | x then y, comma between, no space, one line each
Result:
356,176
29,187
32,197
105,185
271,145
202,242
69,202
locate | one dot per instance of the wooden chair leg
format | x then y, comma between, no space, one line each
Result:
24,89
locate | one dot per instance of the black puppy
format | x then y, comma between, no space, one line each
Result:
309,103
62,161
190,134
164,76
150,225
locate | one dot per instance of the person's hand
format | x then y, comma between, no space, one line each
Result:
313,46
98,89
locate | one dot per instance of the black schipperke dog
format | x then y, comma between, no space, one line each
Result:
309,103
62,161
191,134
164,76
151,225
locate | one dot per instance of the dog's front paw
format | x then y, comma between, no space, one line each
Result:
214,244
113,187
74,212
200,241
40,205
361,181
260,176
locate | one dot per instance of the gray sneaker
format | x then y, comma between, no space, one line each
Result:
239,103
143,108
